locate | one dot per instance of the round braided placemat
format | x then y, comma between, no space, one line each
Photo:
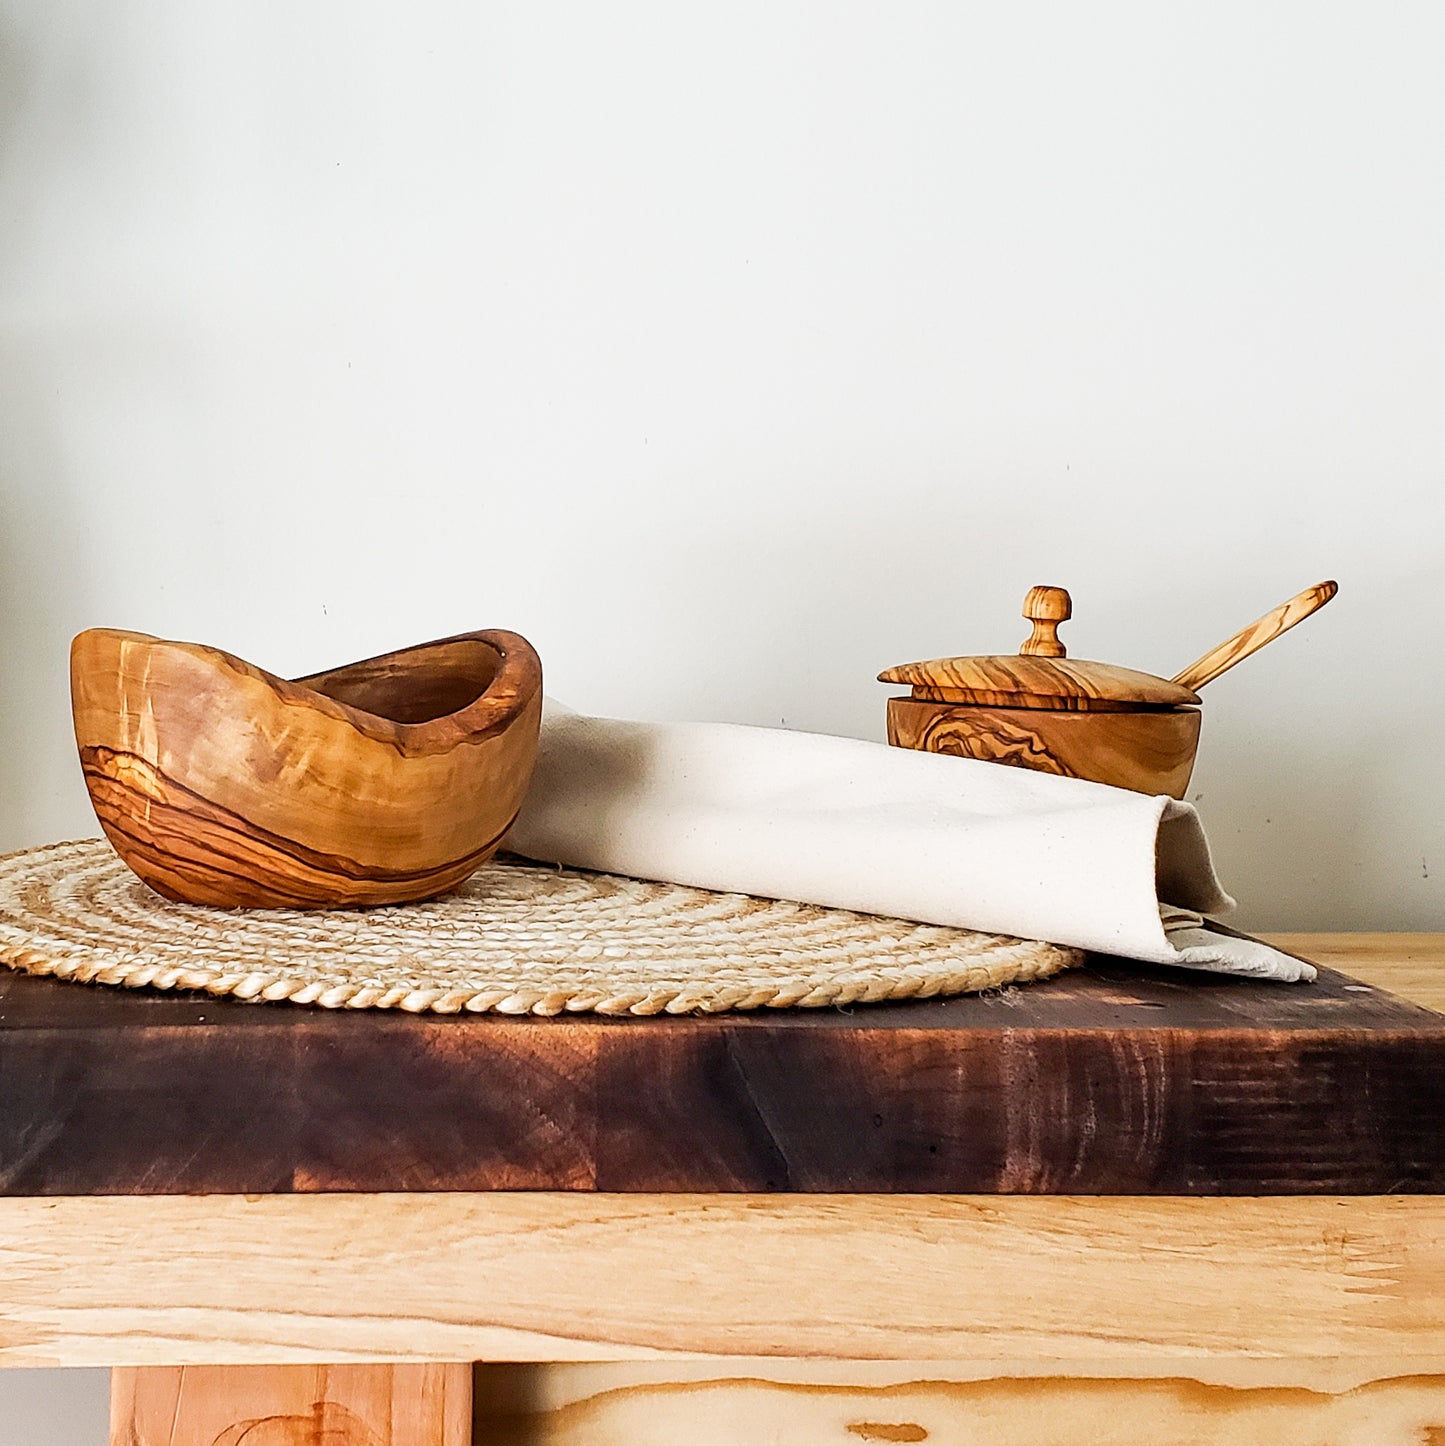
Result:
517,938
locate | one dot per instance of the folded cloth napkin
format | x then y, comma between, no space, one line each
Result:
881,830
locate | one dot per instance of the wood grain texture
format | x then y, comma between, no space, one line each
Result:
352,1405
522,1388
1115,1078
635,1405
1149,751
1046,607
1069,685
226,1280
1045,711
1411,966
384,781
1251,639
1042,675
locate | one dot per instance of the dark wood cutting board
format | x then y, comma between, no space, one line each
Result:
1114,1079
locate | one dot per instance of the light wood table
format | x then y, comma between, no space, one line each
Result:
328,1319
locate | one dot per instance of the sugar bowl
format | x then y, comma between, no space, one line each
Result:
1047,711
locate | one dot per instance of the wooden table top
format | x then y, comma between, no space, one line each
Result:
1115,1079
1410,965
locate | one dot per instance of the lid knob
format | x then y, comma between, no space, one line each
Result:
1046,608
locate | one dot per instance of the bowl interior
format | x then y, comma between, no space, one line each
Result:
416,685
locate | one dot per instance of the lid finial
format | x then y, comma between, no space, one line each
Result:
1046,608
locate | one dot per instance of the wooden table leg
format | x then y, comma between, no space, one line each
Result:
356,1405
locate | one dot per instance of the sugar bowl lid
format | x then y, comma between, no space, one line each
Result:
1042,675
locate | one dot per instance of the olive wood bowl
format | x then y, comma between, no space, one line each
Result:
380,782
1150,750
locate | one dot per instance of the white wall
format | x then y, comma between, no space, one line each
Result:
734,351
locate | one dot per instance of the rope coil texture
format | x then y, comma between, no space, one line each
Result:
517,938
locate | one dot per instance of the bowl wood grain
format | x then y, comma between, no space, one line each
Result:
1148,750
381,782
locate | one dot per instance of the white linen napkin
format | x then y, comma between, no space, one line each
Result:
882,830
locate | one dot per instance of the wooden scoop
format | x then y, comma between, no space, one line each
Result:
1256,635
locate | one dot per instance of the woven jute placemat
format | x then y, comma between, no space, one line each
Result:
518,938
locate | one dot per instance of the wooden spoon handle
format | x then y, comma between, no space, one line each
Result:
1256,635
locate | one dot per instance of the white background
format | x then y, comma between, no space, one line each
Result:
732,352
